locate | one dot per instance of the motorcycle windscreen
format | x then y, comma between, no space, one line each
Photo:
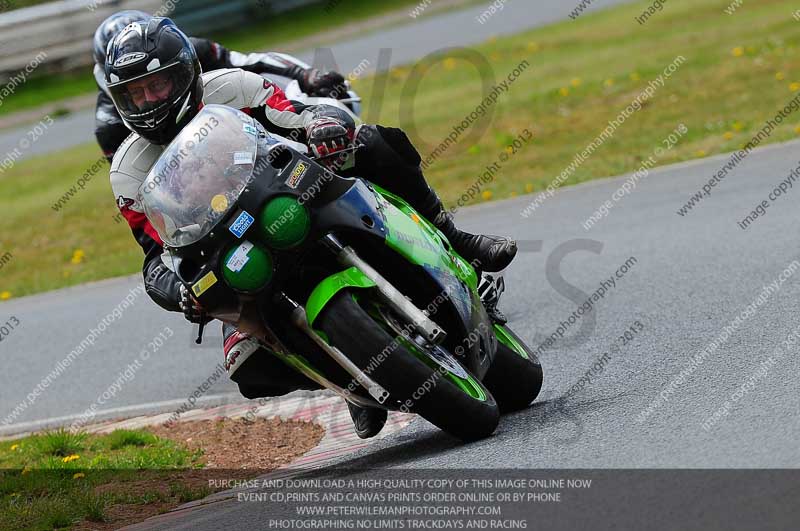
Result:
200,175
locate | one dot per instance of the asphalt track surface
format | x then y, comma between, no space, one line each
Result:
693,275
408,43
56,323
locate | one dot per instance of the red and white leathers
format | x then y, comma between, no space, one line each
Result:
110,131
233,87
387,158
237,88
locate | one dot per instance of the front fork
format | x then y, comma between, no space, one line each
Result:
426,327
388,293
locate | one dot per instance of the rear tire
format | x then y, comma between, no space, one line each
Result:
514,380
443,403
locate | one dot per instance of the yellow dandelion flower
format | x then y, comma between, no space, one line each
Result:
635,76
71,458
728,135
797,129
738,126
738,51
487,194
510,150
780,76
564,91
78,475
576,82
529,188
5,295
609,82
794,87
14,447
449,64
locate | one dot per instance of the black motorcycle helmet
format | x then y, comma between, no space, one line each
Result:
153,77
109,28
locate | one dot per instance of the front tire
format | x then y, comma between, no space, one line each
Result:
515,377
463,408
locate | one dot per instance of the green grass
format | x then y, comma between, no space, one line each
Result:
59,443
44,242
723,98
263,35
10,5
54,480
49,88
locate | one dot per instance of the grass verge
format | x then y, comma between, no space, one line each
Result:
71,480
739,71
55,480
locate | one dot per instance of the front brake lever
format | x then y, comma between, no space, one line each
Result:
351,149
201,328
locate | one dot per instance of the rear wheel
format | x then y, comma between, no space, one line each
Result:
420,378
515,377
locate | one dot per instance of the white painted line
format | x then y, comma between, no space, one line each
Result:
23,428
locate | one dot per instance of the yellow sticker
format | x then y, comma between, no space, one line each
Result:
297,175
219,203
202,285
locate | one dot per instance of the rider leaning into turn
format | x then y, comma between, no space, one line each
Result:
110,130
154,78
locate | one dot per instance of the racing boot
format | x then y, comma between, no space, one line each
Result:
485,253
367,421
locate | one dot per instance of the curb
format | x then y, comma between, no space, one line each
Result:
329,411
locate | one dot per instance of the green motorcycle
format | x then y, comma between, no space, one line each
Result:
341,280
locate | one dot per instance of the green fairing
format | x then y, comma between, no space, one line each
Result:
508,340
324,292
420,242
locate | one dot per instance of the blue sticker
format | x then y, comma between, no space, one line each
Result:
241,224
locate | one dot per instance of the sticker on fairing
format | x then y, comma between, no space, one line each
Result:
239,258
202,285
219,203
250,128
297,175
243,157
241,224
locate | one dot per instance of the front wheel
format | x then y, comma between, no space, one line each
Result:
418,381
515,377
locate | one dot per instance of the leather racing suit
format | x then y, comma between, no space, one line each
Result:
388,158
110,130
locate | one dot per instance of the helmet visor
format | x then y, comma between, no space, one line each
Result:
151,95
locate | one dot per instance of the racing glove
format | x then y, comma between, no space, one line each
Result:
330,131
327,85
190,307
